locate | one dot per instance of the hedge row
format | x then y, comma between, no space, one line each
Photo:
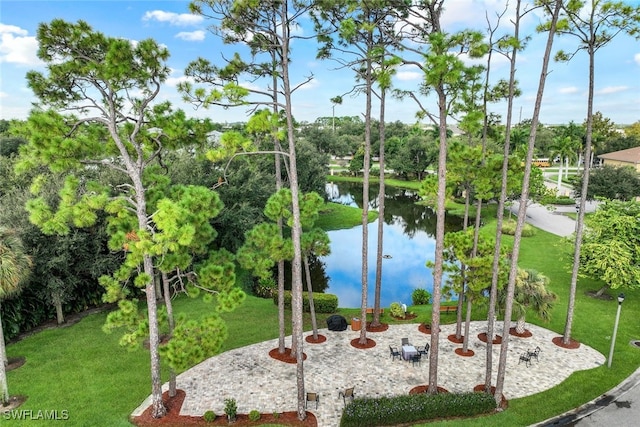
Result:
413,408
323,303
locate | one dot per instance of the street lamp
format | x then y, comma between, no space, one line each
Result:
615,329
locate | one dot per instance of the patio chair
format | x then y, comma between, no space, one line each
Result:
423,350
395,353
347,394
416,359
405,341
312,397
534,354
526,358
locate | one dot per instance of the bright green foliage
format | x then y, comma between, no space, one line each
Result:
323,302
413,408
194,341
254,415
15,267
15,264
611,244
420,297
209,416
396,310
263,244
123,128
532,293
263,247
610,182
478,271
230,408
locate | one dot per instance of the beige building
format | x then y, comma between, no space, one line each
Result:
628,157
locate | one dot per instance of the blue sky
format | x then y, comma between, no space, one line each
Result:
186,36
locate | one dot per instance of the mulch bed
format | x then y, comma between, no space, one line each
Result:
423,389
573,344
311,340
483,337
174,419
356,343
526,334
455,339
380,328
285,357
468,353
426,329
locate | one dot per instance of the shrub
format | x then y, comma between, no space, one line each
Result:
420,297
560,200
509,227
408,409
209,416
265,288
254,415
323,303
276,415
396,310
230,408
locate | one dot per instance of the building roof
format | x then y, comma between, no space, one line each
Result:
630,155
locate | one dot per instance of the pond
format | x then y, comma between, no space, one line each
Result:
408,243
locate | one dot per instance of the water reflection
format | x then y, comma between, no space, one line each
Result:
408,242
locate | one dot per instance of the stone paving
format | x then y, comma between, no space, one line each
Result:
257,381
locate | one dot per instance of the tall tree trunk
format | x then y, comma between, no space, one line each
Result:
439,249
158,409
3,348
381,201
493,294
520,325
57,303
467,324
566,337
172,324
559,184
296,229
312,309
461,295
3,367
278,172
474,251
522,211
365,197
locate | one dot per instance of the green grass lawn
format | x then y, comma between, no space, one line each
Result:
84,371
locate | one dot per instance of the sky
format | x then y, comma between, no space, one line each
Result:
617,71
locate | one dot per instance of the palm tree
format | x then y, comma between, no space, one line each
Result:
531,293
565,147
15,267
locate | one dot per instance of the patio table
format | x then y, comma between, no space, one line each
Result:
408,351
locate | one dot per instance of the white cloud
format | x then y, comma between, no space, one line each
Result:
16,47
568,90
636,58
193,36
611,89
3,94
4,28
409,75
178,19
174,81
